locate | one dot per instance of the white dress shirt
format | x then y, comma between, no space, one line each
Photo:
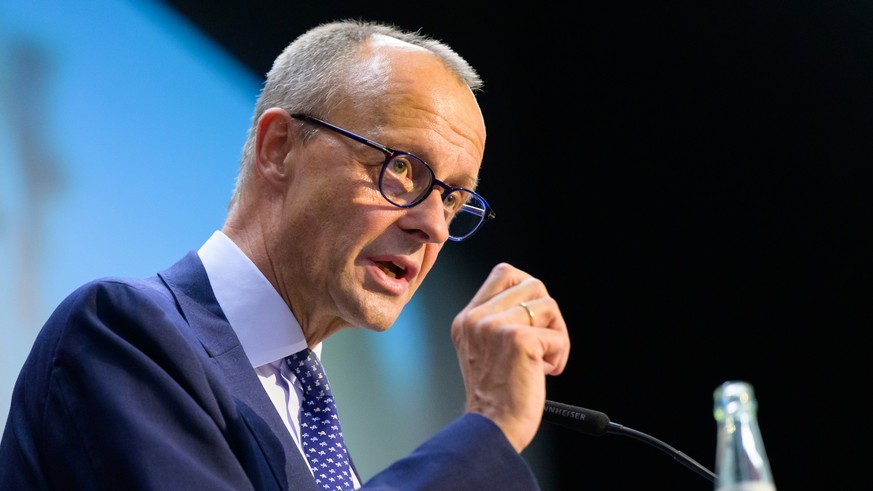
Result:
265,326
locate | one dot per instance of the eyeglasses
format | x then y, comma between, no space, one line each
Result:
405,181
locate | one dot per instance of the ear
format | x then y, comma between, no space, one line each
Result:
273,143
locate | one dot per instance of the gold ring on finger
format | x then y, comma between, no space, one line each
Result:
529,312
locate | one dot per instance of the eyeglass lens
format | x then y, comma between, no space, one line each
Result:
406,181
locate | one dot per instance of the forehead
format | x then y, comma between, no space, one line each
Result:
430,111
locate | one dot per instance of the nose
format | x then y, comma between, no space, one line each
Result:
427,218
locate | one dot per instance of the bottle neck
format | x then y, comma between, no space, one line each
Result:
741,462
740,455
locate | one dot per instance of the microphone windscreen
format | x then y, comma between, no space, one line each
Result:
584,420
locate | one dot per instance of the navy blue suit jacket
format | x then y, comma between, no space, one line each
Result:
142,384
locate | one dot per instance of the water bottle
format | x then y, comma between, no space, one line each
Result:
741,463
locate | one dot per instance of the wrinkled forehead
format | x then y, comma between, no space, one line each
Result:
406,97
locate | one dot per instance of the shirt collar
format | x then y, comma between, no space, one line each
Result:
265,326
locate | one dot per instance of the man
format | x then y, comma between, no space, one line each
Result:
190,379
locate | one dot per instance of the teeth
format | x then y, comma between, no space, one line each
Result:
391,269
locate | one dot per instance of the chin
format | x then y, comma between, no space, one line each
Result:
379,316
378,328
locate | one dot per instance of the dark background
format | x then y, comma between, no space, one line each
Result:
691,180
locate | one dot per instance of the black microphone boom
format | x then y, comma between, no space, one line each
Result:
596,423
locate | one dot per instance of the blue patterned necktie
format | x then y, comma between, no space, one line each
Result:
320,434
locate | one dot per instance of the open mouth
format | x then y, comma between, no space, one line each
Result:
391,269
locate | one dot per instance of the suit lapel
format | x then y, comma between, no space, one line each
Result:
189,283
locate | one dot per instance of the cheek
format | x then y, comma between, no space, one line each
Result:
346,214
322,201
343,207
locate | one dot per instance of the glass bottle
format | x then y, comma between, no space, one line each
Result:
741,463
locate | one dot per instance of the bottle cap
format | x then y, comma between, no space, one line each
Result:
732,395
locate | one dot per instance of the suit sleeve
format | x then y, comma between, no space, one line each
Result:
471,453
117,393
113,396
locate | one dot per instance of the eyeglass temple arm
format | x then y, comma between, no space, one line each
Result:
349,134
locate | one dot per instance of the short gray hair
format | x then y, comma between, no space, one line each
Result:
315,74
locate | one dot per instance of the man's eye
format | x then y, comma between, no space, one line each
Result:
401,166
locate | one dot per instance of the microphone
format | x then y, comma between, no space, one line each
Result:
596,423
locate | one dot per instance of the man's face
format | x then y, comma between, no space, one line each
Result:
346,257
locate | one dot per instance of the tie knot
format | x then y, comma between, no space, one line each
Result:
306,366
